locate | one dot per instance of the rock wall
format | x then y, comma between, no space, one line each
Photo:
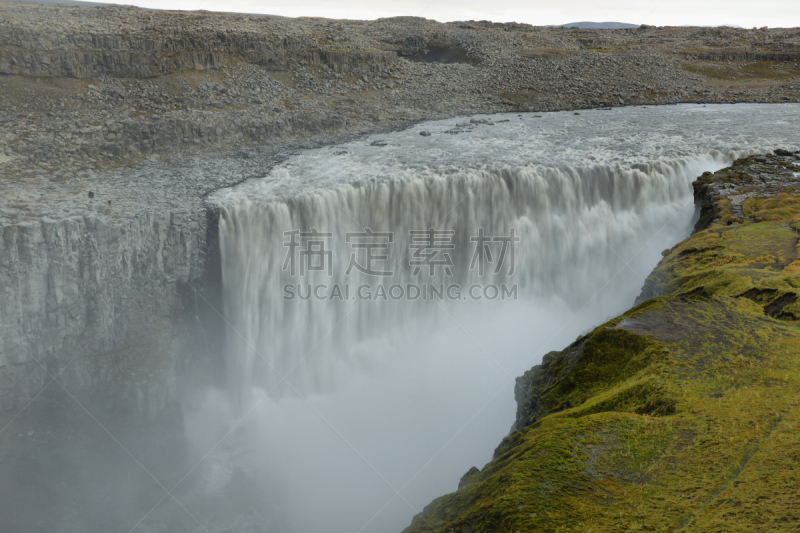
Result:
168,135
82,54
134,64
97,302
337,61
87,54
91,64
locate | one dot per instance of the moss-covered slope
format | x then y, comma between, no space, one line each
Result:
681,414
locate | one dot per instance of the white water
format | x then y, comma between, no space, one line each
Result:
343,403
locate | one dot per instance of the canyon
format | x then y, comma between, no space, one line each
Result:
128,137
89,92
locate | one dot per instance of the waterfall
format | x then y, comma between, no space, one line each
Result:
383,393
576,228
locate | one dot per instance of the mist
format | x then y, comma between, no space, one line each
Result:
372,454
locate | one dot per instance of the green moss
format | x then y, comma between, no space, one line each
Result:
734,261
609,356
681,414
648,397
667,442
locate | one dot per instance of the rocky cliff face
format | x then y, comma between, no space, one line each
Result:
95,302
721,198
80,55
529,389
105,45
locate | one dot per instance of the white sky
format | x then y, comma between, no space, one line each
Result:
773,13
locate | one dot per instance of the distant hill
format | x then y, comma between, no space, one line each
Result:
57,2
81,3
597,25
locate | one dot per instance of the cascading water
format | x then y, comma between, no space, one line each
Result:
358,408
574,225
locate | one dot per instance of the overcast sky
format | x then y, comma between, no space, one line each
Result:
745,13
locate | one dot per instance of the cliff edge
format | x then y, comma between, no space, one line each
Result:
680,414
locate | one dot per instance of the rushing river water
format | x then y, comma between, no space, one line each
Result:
382,295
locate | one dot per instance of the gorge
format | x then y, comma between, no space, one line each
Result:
593,199
161,366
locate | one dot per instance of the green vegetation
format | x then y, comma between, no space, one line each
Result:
680,415
761,70
517,97
607,50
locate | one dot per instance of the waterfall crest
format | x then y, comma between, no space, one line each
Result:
577,227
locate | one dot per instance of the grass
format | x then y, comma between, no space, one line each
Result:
607,50
284,77
553,52
707,464
680,415
517,98
764,70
